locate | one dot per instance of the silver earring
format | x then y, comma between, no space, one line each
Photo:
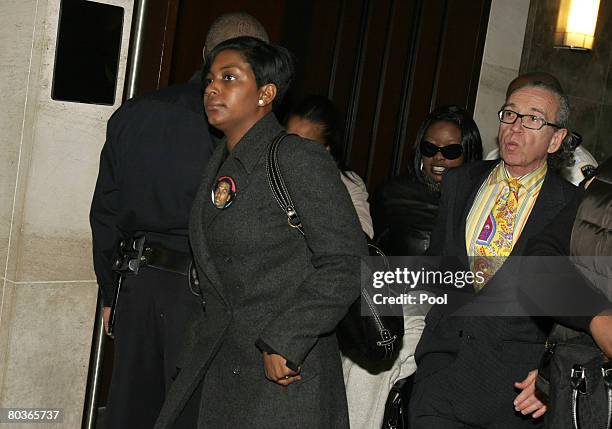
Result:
260,102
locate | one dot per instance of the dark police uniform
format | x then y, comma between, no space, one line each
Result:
156,149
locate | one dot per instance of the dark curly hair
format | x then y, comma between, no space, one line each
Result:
470,136
321,111
564,156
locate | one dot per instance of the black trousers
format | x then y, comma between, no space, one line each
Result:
432,406
152,321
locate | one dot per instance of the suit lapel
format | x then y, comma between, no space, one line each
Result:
546,207
201,217
248,152
547,203
476,177
243,160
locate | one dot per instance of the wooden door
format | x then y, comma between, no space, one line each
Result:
385,63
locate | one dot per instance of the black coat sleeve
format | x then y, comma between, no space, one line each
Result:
556,288
337,244
379,218
104,212
443,220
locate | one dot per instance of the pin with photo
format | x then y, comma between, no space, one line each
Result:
223,192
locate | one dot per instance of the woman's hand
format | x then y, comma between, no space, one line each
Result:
106,311
277,370
527,402
601,330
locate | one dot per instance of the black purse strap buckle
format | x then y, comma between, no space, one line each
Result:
606,373
578,379
293,219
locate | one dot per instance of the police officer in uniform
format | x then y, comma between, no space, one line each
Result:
156,149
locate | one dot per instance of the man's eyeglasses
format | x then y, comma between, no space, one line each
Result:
531,122
452,151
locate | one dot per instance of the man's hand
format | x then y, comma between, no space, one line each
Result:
277,370
601,330
527,402
106,316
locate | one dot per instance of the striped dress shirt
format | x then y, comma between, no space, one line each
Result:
488,193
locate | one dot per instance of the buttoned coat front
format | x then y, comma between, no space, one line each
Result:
263,282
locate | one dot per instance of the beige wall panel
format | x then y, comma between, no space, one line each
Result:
500,64
55,236
48,164
48,349
44,258
19,24
17,18
51,236
6,315
491,95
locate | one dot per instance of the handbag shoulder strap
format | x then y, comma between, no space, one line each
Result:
277,184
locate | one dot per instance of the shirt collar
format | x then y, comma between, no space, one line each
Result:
530,181
252,145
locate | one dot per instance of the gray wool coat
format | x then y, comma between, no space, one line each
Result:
266,286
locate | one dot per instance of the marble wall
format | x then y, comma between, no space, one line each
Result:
500,64
48,166
586,76
16,38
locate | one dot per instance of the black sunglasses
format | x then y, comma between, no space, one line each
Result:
452,151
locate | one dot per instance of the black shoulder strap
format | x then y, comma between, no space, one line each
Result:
278,187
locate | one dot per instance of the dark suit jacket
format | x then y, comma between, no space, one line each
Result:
483,356
264,283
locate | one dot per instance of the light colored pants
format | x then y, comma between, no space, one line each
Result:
368,385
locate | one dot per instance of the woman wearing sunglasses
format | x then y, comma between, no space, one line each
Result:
404,210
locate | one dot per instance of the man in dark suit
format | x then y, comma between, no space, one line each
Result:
469,366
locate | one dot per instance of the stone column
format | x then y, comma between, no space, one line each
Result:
501,62
49,153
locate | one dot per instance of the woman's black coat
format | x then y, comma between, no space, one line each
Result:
266,286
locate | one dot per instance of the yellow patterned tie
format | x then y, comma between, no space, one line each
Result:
496,238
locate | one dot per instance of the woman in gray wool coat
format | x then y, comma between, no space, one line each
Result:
264,353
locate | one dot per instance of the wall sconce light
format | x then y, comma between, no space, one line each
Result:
576,24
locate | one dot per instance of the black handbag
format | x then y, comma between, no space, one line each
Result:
396,408
575,378
374,336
